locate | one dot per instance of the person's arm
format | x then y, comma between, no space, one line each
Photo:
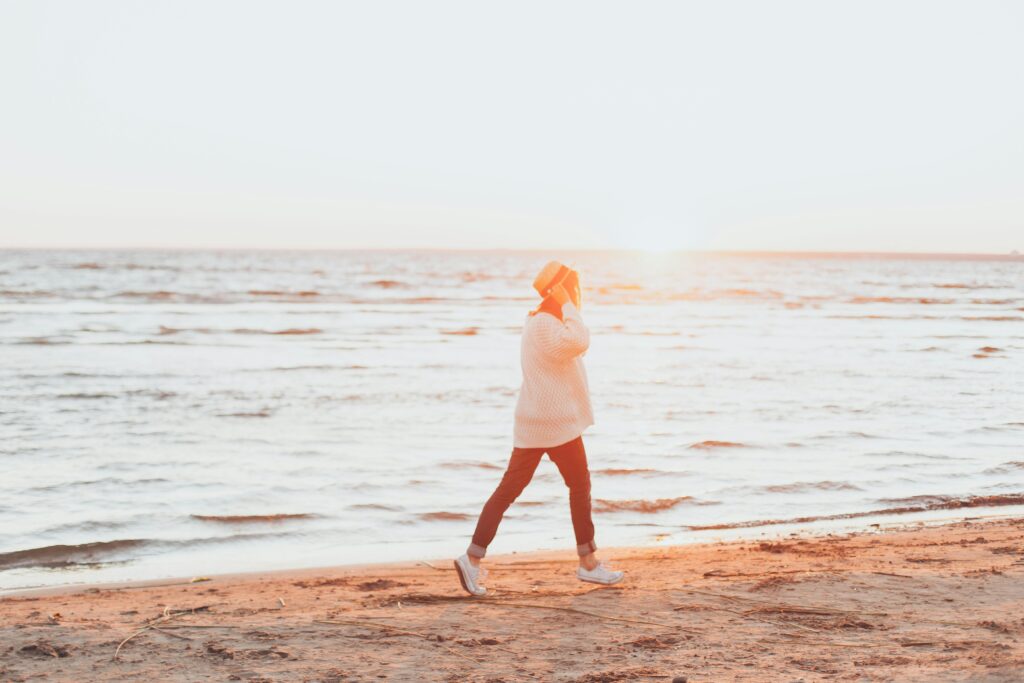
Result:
566,339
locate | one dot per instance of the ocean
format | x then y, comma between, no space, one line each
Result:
184,413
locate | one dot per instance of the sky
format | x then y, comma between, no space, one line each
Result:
807,126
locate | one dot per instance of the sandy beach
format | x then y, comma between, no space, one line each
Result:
937,603
299,302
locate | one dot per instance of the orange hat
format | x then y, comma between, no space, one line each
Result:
550,275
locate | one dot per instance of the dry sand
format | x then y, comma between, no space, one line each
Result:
917,604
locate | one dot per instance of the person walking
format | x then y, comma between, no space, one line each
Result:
551,413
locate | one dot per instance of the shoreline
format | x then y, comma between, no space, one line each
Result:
916,602
818,527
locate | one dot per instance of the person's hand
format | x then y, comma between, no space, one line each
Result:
559,294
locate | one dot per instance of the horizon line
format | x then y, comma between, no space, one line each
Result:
1012,255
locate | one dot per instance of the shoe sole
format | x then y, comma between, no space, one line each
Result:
601,583
462,579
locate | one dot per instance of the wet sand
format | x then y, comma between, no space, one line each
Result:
942,603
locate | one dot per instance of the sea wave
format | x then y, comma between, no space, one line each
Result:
994,318
710,444
443,516
266,412
646,506
1007,467
803,486
918,500
458,465
254,519
55,556
929,503
28,294
899,300
301,294
107,481
66,555
164,330
308,368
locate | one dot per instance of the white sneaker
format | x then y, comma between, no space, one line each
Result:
470,576
602,573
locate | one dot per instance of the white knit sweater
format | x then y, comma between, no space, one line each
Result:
554,399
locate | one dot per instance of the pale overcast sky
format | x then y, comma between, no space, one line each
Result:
895,126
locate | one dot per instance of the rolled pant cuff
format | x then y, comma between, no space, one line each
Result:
584,549
476,550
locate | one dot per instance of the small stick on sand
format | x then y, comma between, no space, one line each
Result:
168,633
122,643
717,574
151,624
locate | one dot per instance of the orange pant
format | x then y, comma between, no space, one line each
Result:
571,459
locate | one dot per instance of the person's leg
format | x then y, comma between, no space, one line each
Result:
521,466
571,459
